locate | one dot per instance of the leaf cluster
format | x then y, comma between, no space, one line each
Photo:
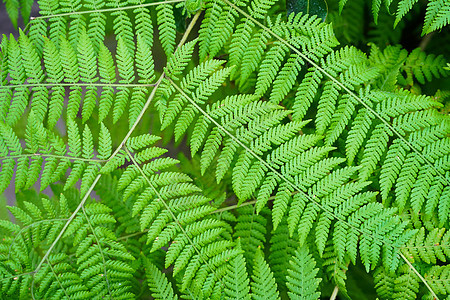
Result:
301,161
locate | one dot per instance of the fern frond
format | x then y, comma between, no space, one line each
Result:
216,28
437,16
122,25
438,279
87,63
102,261
107,72
172,210
179,59
282,245
244,107
55,73
404,6
12,8
143,21
159,284
423,67
125,67
428,248
167,28
406,285
33,69
302,281
263,285
236,282
97,22
384,283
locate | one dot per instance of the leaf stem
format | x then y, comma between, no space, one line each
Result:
266,164
69,220
75,84
335,293
420,276
100,250
167,207
53,156
25,228
57,279
106,9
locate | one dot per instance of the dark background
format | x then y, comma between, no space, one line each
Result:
6,27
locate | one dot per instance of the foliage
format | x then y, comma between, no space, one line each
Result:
312,157
437,12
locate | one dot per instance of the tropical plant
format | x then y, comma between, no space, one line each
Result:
224,149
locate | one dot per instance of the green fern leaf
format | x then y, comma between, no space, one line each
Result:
428,248
302,281
144,26
71,73
123,26
437,16
126,72
33,69
88,73
105,143
12,8
251,230
403,7
97,23
178,60
167,28
55,75
107,73
158,283
263,285
236,282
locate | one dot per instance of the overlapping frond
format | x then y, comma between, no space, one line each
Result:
40,222
429,248
251,230
45,149
263,285
158,283
236,282
281,246
84,65
103,262
312,189
302,281
171,209
364,183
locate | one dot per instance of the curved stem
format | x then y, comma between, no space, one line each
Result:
53,156
75,84
420,276
86,196
106,9
335,293
25,228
